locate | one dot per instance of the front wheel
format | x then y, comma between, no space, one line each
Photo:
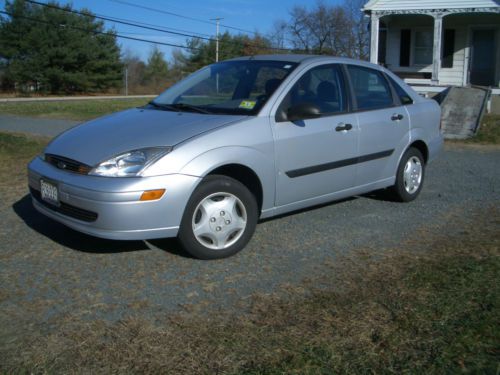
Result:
410,176
219,218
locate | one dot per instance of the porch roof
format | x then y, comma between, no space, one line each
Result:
410,6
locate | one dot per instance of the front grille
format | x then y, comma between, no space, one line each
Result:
67,164
66,209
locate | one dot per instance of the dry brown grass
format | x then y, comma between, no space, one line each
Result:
430,306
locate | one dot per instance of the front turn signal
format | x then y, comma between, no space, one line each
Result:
151,195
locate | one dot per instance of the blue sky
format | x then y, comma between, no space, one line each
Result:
253,15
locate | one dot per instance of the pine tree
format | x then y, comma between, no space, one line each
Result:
55,51
156,72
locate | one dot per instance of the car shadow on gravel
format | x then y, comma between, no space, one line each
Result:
384,195
308,209
74,240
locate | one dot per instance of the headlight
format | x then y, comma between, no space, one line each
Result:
130,164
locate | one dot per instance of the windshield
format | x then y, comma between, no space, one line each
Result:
231,87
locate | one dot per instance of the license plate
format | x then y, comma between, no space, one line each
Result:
49,192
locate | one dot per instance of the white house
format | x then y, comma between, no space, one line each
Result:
437,42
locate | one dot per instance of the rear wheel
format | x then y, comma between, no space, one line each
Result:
410,176
219,219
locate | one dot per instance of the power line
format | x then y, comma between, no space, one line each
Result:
134,24
202,21
181,16
114,20
98,32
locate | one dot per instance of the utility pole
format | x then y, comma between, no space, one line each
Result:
217,21
126,81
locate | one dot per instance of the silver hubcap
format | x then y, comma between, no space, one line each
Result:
412,174
219,221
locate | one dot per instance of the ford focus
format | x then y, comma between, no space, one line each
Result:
235,142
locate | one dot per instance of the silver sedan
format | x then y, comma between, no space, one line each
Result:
235,142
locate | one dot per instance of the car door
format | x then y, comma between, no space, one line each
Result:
383,125
314,155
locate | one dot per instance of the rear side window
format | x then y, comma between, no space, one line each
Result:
402,94
371,89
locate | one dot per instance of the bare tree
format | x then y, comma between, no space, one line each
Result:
340,30
299,29
278,36
358,24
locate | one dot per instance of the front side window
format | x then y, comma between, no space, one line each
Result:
371,89
231,87
322,87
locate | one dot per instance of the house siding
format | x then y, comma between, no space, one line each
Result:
469,15
394,39
462,24
455,75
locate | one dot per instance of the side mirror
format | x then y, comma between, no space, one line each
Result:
303,111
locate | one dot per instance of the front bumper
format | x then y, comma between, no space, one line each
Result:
109,207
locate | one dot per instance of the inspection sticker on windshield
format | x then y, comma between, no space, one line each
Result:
247,104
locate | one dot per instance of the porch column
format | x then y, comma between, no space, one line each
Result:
436,51
374,27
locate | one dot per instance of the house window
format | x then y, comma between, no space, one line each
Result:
422,49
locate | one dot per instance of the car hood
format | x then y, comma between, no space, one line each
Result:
98,140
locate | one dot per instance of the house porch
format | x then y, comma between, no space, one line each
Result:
439,47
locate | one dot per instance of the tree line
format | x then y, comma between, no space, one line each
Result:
51,51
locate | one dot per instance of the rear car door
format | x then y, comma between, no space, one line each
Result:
383,124
314,155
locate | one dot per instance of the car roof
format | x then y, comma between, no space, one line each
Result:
298,58
310,59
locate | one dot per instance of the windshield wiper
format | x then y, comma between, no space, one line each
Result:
179,107
165,107
189,107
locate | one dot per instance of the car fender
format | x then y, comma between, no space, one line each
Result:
399,151
418,134
258,162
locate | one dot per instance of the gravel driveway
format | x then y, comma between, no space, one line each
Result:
49,272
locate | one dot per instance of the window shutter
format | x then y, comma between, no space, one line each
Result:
404,50
448,48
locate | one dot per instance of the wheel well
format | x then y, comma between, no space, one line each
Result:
244,175
422,147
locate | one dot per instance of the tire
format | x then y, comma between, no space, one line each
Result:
409,176
219,219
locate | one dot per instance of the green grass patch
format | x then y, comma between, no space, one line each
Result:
16,150
71,110
489,131
21,146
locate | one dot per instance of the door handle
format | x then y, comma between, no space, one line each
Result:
397,117
341,127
